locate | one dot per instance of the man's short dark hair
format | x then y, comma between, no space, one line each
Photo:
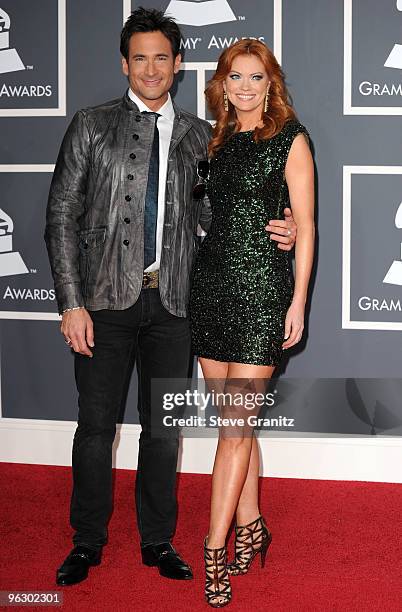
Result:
150,20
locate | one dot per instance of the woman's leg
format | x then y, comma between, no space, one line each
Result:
217,585
235,449
247,508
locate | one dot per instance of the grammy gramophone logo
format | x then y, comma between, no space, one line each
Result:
10,61
394,59
200,12
11,261
394,274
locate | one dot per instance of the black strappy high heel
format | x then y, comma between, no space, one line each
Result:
251,539
218,591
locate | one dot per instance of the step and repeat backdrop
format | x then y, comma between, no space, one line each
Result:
343,65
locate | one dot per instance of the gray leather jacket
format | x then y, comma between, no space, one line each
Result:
95,214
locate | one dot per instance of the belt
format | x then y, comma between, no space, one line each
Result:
150,280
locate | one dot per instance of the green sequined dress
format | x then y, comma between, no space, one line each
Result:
243,284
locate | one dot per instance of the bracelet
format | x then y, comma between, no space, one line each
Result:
70,309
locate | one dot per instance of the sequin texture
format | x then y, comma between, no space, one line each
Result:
242,284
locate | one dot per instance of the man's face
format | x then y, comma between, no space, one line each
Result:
151,67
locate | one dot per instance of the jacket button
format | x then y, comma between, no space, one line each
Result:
130,177
138,118
126,242
135,136
133,155
128,198
126,220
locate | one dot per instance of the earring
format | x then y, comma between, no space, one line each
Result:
266,101
225,101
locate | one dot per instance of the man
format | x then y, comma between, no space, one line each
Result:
121,226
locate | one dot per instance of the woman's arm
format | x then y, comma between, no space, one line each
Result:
299,174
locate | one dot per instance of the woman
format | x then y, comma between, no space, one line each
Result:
244,307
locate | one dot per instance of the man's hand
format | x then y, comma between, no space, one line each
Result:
283,231
78,331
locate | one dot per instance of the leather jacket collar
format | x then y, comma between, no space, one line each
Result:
131,106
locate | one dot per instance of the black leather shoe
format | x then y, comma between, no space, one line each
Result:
76,566
168,561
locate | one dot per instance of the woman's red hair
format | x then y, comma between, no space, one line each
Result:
279,109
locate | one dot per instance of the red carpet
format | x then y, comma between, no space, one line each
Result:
336,546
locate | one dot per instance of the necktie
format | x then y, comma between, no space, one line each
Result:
151,199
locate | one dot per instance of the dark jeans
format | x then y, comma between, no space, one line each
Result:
159,343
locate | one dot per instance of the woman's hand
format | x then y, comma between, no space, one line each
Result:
294,324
